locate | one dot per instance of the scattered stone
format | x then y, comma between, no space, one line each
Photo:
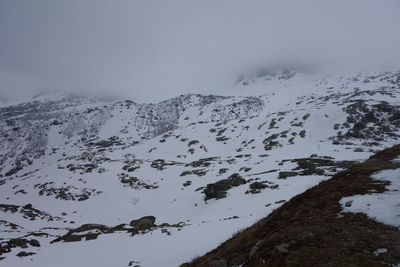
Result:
135,183
6,246
69,192
161,164
28,212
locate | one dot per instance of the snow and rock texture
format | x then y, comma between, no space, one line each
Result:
383,207
314,229
77,172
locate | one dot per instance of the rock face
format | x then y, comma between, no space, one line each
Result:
219,189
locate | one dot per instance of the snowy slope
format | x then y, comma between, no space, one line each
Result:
383,207
203,166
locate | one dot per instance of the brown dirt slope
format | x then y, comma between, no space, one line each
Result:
310,229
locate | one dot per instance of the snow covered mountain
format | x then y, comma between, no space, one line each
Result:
115,183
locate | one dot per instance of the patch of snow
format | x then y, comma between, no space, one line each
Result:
396,160
383,207
380,251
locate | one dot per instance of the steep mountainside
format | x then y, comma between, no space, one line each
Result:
115,183
325,226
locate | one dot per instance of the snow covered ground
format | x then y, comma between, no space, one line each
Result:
383,207
67,161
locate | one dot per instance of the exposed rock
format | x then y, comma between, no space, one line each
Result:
193,142
69,192
144,223
6,246
134,182
256,187
204,162
161,164
85,231
198,172
284,175
219,189
187,183
25,254
28,212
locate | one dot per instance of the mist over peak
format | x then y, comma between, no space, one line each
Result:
152,50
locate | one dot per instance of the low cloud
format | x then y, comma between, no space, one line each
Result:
149,50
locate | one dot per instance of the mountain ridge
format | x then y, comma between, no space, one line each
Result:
187,168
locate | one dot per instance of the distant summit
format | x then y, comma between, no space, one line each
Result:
282,71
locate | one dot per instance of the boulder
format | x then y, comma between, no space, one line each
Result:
144,223
219,189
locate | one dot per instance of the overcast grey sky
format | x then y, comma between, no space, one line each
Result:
149,50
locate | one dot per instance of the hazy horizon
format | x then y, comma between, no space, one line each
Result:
150,50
